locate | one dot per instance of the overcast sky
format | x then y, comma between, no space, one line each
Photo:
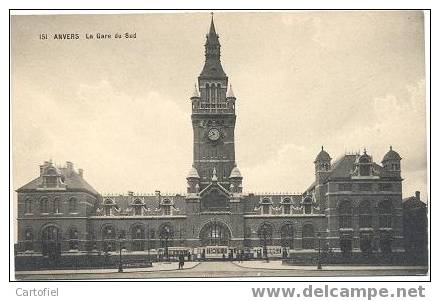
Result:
120,109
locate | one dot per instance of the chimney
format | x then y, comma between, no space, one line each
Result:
69,165
80,172
418,195
41,169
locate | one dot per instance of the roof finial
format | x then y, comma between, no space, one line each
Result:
365,151
322,147
391,147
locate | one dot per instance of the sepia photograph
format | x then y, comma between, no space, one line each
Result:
219,144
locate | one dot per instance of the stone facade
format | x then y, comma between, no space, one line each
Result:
354,204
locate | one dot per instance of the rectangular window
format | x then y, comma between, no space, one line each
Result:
344,187
265,209
365,187
167,210
386,187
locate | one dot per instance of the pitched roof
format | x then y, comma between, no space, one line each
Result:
72,180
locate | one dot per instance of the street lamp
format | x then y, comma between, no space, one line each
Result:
319,251
167,233
120,270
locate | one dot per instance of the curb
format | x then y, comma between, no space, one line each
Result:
330,270
107,272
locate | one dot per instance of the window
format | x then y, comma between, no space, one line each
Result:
365,187
386,187
73,239
137,235
215,234
167,210
307,204
344,186
308,236
44,205
385,210
137,204
265,233
345,212
28,240
73,203
28,206
108,205
287,205
365,217
287,236
109,237
265,206
56,205
364,170
51,181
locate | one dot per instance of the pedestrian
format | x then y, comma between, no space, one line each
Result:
181,261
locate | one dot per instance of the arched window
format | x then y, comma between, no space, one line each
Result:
56,205
51,241
308,236
215,234
385,211
365,216
137,205
73,239
73,204
44,205
138,237
28,206
265,206
108,207
307,204
345,211
109,238
166,207
287,205
287,236
265,233
28,240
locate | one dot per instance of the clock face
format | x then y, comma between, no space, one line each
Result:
213,134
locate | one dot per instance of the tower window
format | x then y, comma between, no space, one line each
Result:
73,204
44,205
28,206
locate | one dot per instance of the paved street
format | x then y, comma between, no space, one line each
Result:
224,269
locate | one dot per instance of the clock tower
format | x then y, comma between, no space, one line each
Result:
213,120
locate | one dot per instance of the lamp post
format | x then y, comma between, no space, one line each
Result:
120,270
167,233
319,267
148,242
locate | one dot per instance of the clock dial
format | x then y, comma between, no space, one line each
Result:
214,134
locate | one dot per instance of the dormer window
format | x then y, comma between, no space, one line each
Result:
265,206
166,206
137,205
287,205
307,205
109,206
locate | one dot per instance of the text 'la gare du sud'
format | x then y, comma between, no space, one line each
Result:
88,36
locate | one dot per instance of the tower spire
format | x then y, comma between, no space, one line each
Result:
213,68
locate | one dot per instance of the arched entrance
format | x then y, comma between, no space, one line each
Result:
215,234
51,241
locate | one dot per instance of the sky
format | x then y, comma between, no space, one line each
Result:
120,108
